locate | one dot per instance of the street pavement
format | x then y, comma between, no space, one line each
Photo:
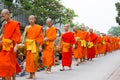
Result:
115,75
101,68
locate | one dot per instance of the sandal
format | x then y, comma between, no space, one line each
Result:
77,64
62,69
30,78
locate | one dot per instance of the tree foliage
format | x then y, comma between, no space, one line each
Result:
118,10
44,9
115,31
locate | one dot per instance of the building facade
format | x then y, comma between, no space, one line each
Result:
18,16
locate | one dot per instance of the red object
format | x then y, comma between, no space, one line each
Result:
67,56
18,68
91,51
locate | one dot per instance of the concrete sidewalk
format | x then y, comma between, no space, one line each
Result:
100,68
115,75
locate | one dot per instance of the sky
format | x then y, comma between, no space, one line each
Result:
97,14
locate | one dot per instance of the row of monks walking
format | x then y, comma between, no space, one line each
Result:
80,44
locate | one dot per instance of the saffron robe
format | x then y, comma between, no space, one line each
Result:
11,36
48,58
34,39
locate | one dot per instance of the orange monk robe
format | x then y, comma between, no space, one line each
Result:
119,42
115,42
102,50
8,60
109,43
92,41
67,41
83,36
33,33
48,59
110,39
112,43
79,48
104,42
98,45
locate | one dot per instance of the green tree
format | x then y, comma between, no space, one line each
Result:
115,31
8,4
48,8
118,10
44,9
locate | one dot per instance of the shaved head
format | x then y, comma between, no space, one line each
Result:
74,29
5,11
66,27
104,34
5,14
90,30
82,28
32,16
32,19
49,22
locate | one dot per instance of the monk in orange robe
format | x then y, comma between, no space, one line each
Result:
66,41
114,42
34,40
10,39
48,59
118,42
105,43
77,47
91,44
108,37
111,43
108,43
83,41
98,45
85,36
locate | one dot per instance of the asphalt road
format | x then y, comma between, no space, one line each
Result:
99,69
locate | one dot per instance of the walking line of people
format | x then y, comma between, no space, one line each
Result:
81,44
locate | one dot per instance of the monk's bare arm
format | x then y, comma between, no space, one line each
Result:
60,42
